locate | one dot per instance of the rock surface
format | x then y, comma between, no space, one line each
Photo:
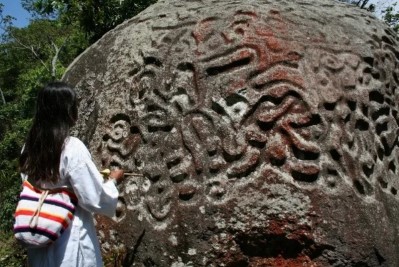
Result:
266,132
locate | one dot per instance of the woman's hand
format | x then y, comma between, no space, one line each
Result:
117,174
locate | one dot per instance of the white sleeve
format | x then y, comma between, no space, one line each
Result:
88,184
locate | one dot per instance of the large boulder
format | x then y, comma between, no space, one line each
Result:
266,133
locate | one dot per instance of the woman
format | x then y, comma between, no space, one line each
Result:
53,159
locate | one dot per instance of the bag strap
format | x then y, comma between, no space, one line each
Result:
39,190
35,218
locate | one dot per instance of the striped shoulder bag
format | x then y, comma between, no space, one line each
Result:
42,216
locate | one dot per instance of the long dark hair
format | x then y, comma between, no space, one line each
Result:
56,113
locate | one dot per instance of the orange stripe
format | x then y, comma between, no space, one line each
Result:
45,215
25,210
27,184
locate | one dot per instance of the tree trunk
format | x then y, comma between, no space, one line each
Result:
2,97
54,61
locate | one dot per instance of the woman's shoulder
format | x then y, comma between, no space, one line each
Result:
75,146
74,154
74,142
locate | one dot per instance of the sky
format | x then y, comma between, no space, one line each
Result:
14,8
383,4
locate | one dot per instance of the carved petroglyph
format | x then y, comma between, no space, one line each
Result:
222,98
266,133
119,142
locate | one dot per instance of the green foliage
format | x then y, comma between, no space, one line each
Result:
5,21
30,57
8,196
95,17
11,253
10,147
390,14
391,17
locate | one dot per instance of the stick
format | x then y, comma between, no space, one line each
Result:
106,172
133,174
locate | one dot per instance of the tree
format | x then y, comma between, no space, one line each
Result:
43,39
391,17
95,17
361,3
58,32
29,57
